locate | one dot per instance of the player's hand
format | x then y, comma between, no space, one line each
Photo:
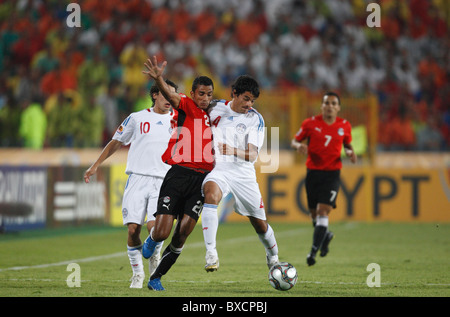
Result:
225,149
154,71
89,172
351,155
302,148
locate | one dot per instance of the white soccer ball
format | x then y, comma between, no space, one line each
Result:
283,276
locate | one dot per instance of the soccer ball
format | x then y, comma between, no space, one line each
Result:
283,276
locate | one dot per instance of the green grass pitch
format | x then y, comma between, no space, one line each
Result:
413,259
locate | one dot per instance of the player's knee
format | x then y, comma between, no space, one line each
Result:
160,234
323,210
134,230
212,192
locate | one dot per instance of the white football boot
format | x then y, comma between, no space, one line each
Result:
137,280
212,261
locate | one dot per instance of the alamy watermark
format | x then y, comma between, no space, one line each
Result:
74,278
374,18
74,18
374,278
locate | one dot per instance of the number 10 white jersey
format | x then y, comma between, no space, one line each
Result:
148,133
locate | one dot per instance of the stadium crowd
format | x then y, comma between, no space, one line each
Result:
72,86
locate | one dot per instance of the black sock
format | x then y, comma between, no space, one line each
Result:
168,258
318,237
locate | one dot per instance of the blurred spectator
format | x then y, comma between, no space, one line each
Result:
90,123
62,121
400,131
132,59
57,81
93,74
430,138
10,113
45,60
108,101
33,125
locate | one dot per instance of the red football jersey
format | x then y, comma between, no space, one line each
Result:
324,142
191,142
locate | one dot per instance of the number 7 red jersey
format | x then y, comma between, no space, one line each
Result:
324,142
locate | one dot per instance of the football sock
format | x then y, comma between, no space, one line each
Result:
314,220
210,223
158,248
135,256
269,241
168,258
320,231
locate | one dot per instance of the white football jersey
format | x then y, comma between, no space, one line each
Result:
235,129
148,133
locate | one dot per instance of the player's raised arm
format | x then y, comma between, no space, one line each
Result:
155,72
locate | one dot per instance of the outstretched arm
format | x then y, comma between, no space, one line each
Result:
155,72
109,150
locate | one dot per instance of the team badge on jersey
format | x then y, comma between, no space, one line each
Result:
240,128
341,131
120,129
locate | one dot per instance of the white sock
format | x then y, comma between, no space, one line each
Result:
135,256
322,221
210,224
269,241
157,249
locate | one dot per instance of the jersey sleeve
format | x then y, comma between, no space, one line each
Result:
303,131
256,133
186,104
347,133
124,132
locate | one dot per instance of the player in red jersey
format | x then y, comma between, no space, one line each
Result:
325,135
190,154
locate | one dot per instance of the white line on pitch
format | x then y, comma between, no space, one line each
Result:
118,254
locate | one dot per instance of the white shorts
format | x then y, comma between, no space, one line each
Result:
140,198
242,184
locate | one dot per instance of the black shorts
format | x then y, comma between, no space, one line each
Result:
181,193
322,187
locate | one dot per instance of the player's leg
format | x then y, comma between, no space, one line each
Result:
154,186
326,191
158,233
313,215
210,223
267,237
134,252
320,231
156,256
165,203
133,213
170,255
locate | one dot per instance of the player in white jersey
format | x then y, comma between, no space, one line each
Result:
148,132
238,134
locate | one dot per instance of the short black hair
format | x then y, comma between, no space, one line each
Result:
155,89
202,80
331,93
245,83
